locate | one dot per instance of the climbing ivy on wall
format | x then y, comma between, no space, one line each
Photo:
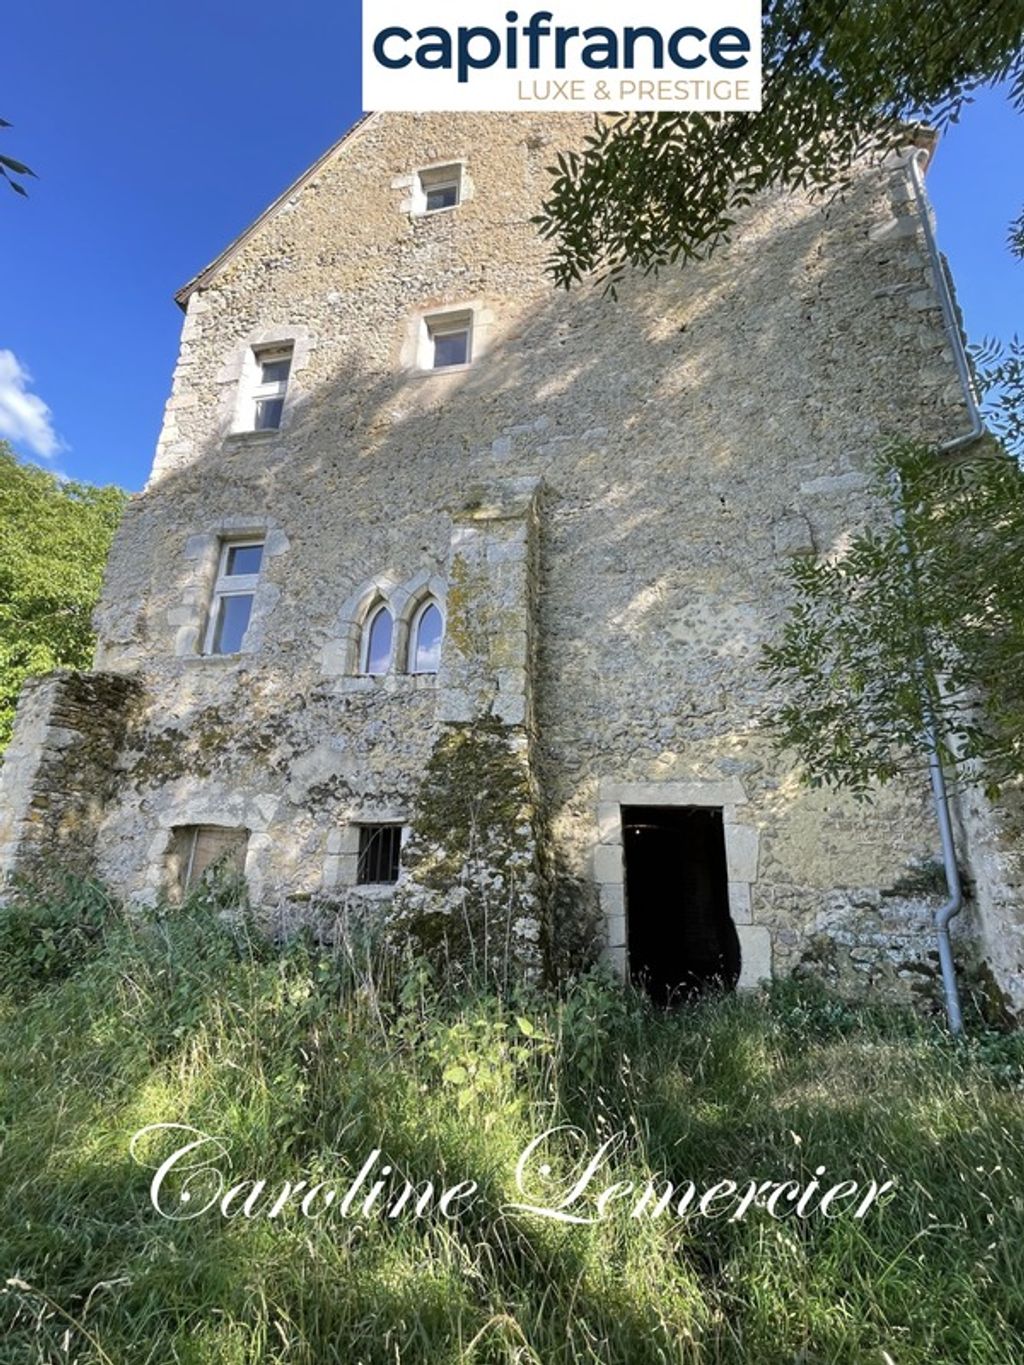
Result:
470,900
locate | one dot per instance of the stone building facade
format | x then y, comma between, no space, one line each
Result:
385,422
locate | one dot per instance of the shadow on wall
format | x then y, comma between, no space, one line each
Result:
674,431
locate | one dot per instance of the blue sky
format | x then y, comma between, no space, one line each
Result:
161,130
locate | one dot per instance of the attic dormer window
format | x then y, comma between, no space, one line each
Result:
440,187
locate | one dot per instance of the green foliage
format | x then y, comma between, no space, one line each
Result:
49,932
999,371
912,623
469,861
840,81
10,169
54,539
303,1061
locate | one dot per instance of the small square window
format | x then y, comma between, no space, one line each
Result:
440,188
380,848
451,348
442,197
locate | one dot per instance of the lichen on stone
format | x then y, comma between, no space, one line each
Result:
470,897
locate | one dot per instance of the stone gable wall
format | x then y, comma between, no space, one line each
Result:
684,441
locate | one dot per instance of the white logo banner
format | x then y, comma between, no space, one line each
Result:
579,54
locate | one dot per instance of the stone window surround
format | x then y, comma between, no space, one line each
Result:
414,201
190,617
239,375
342,654
213,805
341,863
230,585
416,355
742,842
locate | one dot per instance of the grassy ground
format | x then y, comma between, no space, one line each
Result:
305,1063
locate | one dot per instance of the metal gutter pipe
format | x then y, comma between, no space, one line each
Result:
949,317
940,792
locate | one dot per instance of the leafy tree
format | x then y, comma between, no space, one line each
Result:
841,79
54,538
9,168
918,623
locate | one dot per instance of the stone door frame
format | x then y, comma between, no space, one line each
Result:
742,847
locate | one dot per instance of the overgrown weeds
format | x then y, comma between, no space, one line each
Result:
304,1062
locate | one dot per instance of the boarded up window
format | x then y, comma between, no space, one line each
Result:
199,851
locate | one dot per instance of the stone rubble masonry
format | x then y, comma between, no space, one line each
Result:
59,770
604,502
994,841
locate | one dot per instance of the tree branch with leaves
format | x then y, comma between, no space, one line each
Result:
841,80
919,622
13,171
54,539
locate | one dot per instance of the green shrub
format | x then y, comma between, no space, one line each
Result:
48,931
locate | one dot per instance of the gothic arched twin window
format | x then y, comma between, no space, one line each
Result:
378,638
425,639
423,648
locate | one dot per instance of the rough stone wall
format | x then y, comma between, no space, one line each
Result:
474,867
689,437
994,840
59,771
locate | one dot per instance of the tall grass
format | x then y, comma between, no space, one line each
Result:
304,1061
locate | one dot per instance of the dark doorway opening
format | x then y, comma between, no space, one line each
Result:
681,939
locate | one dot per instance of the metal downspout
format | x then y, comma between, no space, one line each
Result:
949,317
940,792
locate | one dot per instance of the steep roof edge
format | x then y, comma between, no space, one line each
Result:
208,273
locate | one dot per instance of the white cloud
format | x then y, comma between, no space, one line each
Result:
24,417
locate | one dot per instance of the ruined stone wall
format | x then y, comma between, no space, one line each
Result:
684,440
59,771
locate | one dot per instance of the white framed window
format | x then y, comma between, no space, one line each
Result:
449,340
273,368
440,187
378,639
425,639
238,573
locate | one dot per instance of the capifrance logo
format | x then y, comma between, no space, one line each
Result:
437,55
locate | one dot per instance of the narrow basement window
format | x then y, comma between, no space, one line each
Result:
233,595
379,849
450,337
